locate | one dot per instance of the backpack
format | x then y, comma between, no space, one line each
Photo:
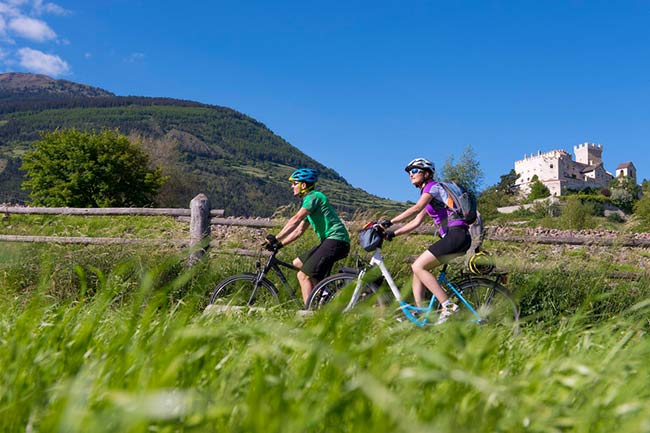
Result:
463,202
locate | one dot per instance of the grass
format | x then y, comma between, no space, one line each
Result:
114,339
145,361
96,226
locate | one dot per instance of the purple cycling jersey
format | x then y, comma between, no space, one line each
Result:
438,210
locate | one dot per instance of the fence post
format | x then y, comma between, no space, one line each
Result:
199,227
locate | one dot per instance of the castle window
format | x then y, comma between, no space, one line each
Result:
551,165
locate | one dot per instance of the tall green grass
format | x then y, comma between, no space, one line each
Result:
127,357
114,339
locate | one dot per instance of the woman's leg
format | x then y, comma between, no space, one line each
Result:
422,277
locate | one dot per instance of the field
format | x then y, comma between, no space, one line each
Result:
114,339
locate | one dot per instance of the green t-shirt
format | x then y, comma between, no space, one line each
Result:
323,218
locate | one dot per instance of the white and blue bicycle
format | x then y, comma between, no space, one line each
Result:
481,296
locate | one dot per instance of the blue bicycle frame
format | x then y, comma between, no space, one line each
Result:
417,315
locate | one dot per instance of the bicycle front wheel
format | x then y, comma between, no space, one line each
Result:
241,291
331,286
492,302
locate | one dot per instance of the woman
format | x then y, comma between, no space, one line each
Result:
455,239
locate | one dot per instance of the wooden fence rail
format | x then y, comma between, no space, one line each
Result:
199,214
200,217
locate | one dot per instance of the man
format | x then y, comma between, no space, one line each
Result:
316,211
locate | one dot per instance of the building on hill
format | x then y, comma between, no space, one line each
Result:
626,169
559,172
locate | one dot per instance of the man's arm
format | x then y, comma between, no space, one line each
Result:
294,228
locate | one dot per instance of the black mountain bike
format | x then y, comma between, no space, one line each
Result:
254,290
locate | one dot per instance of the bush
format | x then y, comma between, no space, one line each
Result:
615,217
577,215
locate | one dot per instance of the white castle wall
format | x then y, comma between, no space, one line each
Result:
588,153
558,171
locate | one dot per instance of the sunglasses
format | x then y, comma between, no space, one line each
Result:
294,183
415,171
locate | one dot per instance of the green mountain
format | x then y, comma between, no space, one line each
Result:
239,163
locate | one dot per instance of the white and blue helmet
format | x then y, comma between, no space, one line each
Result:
422,164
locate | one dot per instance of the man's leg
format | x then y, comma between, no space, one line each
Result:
307,283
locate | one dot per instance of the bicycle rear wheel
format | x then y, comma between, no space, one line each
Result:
492,302
240,291
331,286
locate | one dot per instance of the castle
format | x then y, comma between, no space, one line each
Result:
559,172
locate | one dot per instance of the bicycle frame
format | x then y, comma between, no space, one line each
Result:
407,308
273,263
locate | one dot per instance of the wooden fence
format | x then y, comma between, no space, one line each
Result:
201,217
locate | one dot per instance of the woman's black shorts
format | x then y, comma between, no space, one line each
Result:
318,262
455,243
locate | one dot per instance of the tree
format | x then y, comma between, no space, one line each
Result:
645,186
624,193
81,169
508,183
538,189
467,171
642,209
501,194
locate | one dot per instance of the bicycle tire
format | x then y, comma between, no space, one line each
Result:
237,291
493,302
331,286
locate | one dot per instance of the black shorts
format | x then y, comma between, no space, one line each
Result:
455,243
318,262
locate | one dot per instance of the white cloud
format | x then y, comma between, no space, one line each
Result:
32,29
38,61
41,8
10,10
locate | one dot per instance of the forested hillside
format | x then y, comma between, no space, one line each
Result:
237,161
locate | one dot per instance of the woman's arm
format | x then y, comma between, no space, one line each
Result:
417,208
413,224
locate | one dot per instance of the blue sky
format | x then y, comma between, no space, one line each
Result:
365,86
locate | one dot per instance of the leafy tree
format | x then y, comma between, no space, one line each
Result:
645,186
467,171
508,183
81,169
502,194
642,209
624,193
538,189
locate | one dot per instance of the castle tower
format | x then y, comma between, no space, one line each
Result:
588,153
